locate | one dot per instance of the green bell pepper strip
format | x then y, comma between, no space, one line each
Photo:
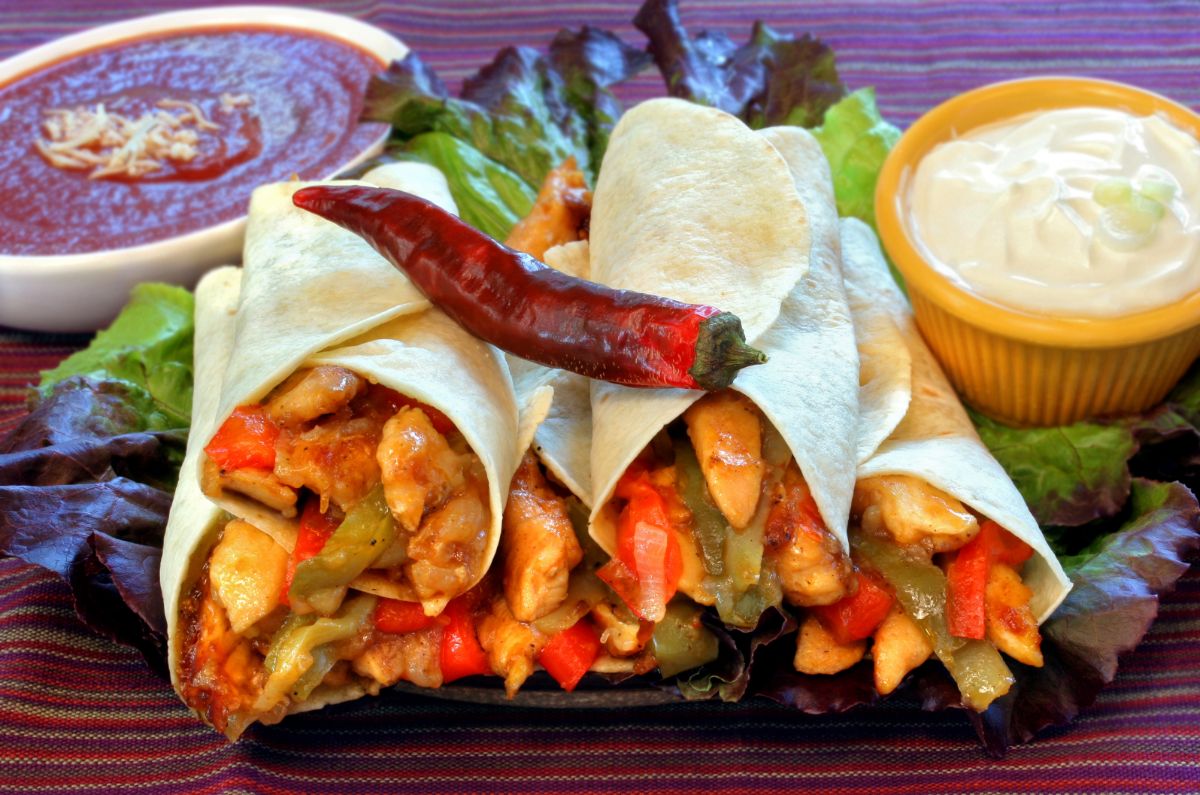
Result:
680,642
744,557
363,535
742,608
323,660
920,586
302,645
709,527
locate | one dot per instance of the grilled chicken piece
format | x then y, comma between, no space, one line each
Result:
540,547
1011,625
257,484
312,393
445,554
620,631
818,653
335,459
913,512
510,645
811,565
726,432
562,207
418,467
246,570
900,646
413,657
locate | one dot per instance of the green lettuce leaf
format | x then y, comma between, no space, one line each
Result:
771,79
526,111
149,349
590,61
856,140
489,196
1076,475
1185,397
1069,475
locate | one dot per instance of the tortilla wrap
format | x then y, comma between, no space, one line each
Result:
195,522
693,205
348,307
313,293
934,440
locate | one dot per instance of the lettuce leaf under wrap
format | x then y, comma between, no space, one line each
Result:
1075,475
772,79
149,349
527,111
86,478
777,79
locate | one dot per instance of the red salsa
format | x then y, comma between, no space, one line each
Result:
246,106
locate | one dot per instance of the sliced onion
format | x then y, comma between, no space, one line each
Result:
650,557
584,592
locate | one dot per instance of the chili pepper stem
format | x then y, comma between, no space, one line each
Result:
721,351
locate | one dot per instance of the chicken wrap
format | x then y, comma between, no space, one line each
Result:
737,498
949,561
361,450
547,605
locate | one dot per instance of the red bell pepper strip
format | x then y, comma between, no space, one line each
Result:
967,577
518,304
315,529
1007,548
856,616
648,554
461,655
397,617
635,479
245,440
966,585
645,513
569,654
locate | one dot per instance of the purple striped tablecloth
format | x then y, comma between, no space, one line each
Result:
80,714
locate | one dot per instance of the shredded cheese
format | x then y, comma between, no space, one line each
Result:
112,144
230,102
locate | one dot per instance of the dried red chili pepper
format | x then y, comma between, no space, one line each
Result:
518,304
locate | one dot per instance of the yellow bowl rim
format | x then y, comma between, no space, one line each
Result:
994,102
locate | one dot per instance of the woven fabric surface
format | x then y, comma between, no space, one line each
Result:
79,714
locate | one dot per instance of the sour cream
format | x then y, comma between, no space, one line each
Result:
1081,212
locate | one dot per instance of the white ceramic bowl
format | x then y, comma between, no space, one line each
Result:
82,292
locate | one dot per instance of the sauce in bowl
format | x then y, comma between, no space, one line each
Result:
275,102
1075,212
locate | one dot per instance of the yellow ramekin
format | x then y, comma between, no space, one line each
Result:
1020,367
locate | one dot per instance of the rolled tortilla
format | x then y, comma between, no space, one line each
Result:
693,205
933,440
195,522
314,294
